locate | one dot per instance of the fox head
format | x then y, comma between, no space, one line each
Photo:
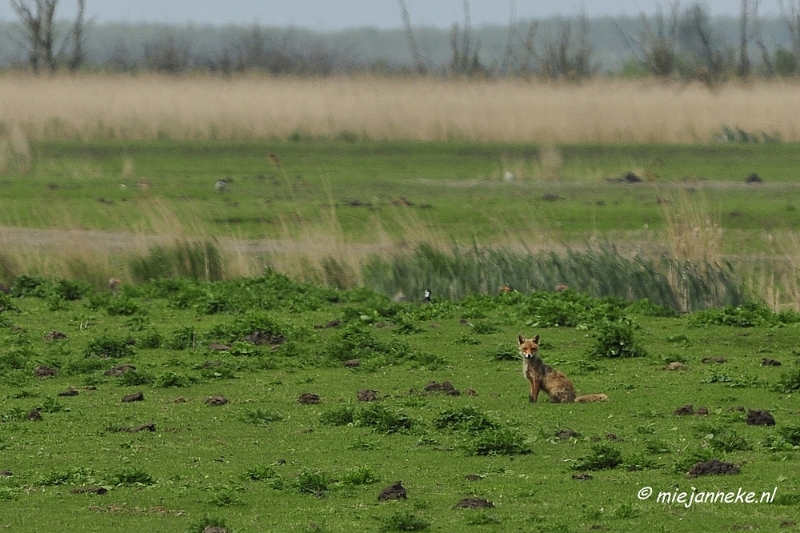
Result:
528,348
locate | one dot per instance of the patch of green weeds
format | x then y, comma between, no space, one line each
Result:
260,417
688,460
747,315
482,518
70,476
465,418
465,338
503,352
313,482
615,339
789,382
106,346
404,521
131,476
359,475
208,523
603,457
182,338
171,379
504,441
136,378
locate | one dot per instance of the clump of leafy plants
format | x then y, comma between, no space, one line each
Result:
260,417
466,418
108,346
723,438
404,521
360,475
503,441
378,417
789,382
355,341
748,315
603,457
132,476
615,339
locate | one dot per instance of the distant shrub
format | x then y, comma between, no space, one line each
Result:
616,340
26,286
132,476
122,306
603,457
109,346
464,418
747,315
404,521
72,290
498,442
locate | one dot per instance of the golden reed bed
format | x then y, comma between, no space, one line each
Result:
204,107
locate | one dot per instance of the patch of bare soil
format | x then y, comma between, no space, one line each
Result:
714,467
308,398
687,409
135,397
72,391
118,370
259,338
766,361
473,503
582,477
35,415
367,395
445,387
713,360
217,399
352,363
89,490
55,336
566,434
396,491
473,477
759,417
43,371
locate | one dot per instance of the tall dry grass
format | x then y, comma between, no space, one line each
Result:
203,107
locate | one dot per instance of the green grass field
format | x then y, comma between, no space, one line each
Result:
455,188
264,461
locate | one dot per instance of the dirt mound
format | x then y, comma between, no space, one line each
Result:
367,395
687,409
219,347
308,398
701,411
43,371
215,529
566,434
759,417
258,338
217,399
714,467
473,477
55,336
72,391
582,477
474,503
119,370
329,324
6,473
352,363
445,387
395,491
89,490
35,415
713,360
766,361
135,397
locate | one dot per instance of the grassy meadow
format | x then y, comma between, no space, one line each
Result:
268,233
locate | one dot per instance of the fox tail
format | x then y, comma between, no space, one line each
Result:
586,398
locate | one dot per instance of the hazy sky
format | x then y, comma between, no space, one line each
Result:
338,14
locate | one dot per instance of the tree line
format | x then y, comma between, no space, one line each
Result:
673,42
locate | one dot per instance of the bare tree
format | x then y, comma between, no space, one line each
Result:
465,58
744,38
766,60
568,57
656,47
37,18
419,66
791,15
78,56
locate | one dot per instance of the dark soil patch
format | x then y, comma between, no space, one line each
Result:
445,387
395,491
675,365
43,371
119,370
473,477
352,363
713,360
215,529
55,336
6,473
258,338
714,467
150,426
766,361
687,409
701,411
470,392
72,391
135,397
212,364
788,523
330,324
308,398
759,417
566,434
217,399
367,395
35,415
582,477
753,178
474,503
89,490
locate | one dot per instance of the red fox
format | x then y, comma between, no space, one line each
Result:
544,377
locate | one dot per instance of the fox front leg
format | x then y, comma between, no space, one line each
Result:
534,391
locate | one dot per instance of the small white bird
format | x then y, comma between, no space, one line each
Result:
427,298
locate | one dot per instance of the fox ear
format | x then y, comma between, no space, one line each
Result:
521,339
536,339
